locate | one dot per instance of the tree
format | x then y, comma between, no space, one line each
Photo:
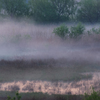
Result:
89,10
15,8
51,10
0,4
42,10
65,9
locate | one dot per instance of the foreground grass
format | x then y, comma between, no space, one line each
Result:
40,96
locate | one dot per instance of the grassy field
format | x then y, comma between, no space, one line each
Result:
46,70
49,70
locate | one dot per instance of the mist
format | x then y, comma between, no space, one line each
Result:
53,62
26,40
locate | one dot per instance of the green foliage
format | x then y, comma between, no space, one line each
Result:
89,10
61,31
18,97
42,10
65,9
0,4
94,31
76,31
51,10
15,8
94,96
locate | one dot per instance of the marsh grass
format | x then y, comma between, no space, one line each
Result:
49,70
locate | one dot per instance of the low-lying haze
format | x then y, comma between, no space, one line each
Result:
22,40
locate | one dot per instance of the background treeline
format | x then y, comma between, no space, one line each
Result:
52,10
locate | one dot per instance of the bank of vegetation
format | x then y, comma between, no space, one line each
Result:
76,31
52,10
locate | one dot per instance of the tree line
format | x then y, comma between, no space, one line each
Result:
52,10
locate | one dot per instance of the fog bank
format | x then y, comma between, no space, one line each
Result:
23,40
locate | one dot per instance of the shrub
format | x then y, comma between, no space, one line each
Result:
76,31
94,96
18,97
61,31
94,31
